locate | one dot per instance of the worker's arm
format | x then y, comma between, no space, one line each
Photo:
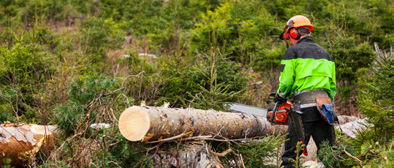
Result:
287,76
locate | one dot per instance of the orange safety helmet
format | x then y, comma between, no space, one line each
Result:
291,28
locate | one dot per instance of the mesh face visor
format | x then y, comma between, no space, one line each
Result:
281,36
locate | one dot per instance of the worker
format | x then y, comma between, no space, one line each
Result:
307,72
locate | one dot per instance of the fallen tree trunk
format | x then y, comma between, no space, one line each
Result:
155,123
20,143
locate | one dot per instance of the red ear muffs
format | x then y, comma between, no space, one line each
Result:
293,31
290,31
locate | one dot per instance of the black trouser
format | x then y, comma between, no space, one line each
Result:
318,129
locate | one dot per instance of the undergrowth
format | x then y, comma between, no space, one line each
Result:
75,63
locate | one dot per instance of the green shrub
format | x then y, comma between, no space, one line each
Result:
83,106
98,35
269,59
258,153
21,63
24,68
234,28
372,147
375,98
8,106
261,152
349,57
214,81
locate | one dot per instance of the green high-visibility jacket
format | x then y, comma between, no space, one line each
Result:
306,66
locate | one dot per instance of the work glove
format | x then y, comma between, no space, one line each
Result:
279,99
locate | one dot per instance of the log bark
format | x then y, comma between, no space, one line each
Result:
20,143
154,123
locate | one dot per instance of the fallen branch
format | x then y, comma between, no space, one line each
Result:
350,155
242,160
224,153
188,134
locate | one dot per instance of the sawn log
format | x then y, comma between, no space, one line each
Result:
20,143
154,123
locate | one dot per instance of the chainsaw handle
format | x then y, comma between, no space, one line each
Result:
273,112
270,97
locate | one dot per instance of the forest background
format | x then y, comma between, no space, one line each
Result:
61,60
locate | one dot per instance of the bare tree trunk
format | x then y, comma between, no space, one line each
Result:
154,123
20,143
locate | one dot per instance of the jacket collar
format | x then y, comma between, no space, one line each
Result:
306,39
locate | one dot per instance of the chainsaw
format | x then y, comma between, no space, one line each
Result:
281,116
277,113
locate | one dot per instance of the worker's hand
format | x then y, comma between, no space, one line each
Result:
279,99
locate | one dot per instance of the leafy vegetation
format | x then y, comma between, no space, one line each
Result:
72,63
373,147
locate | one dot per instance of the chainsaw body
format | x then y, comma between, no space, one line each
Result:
280,114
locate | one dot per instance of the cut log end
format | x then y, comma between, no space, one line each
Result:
43,129
134,123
